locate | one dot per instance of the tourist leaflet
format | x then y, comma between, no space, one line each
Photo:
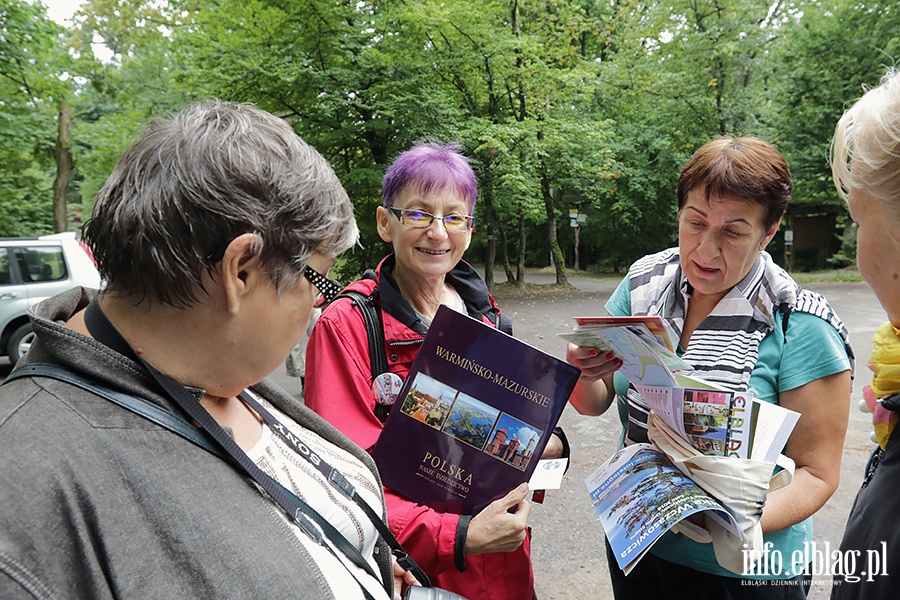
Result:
473,416
639,495
714,420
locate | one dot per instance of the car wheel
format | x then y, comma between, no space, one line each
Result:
19,343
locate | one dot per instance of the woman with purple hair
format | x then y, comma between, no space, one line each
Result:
427,215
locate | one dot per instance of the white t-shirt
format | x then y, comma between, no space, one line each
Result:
279,460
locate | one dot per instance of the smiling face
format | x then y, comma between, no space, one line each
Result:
430,252
719,240
877,249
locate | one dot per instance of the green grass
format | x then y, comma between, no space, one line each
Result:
847,275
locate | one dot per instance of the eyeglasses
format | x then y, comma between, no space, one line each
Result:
328,289
421,219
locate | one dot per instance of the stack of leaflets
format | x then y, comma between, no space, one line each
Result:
638,493
714,420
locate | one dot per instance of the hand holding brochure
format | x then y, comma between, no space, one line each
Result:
714,420
644,358
703,437
652,324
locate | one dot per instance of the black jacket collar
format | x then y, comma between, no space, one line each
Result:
464,279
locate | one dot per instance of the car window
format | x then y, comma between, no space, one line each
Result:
5,276
41,263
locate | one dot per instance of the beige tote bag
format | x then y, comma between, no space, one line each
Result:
739,484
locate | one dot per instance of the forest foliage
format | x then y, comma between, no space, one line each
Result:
585,105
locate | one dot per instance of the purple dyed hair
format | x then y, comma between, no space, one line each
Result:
429,167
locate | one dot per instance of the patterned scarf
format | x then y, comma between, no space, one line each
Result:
725,346
880,397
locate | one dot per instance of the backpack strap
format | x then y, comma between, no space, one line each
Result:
201,438
374,326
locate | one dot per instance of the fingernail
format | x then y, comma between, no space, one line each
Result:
609,355
619,362
523,487
592,352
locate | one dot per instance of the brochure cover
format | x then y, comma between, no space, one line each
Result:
653,324
639,495
473,416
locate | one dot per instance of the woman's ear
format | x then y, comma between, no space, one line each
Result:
241,269
769,235
382,221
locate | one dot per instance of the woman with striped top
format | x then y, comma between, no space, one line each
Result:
746,324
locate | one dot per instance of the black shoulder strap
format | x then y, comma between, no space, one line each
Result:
374,326
200,437
135,404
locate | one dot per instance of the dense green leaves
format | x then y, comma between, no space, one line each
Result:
592,104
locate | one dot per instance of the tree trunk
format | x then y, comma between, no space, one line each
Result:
63,156
520,264
577,235
555,251
504,251
487,194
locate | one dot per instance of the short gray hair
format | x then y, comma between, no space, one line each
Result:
193,183
865,150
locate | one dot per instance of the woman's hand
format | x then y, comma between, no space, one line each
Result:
553,449
594,365
495,529
402,578
594,391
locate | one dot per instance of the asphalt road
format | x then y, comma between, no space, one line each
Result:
568,555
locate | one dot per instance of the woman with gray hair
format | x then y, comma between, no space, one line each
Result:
139,433
866,168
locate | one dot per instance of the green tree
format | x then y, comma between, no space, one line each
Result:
135,83
338,71
827,58
30,85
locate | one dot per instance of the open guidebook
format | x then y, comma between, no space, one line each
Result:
639,493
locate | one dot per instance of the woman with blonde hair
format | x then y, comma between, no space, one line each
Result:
866,168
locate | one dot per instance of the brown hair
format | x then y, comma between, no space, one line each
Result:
746,168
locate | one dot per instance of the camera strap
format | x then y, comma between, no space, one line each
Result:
307,518
342,485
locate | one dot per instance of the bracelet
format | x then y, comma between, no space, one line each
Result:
567,450
459,550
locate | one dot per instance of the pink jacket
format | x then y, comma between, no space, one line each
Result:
339,388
